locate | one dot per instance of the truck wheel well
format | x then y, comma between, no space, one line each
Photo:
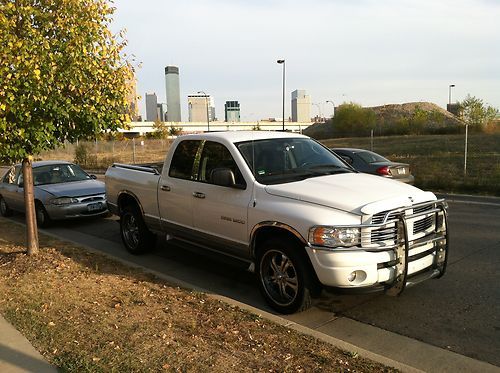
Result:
127,200
265,233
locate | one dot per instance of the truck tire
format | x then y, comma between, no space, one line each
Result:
4,208
42,217
135,235
285,279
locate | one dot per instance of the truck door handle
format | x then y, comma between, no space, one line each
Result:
165,188
198,195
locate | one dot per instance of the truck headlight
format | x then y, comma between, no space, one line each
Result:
63,201
334,236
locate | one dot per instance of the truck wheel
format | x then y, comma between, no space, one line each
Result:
135,235
4,208
284,279
42,217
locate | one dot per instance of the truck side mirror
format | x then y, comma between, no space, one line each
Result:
223,177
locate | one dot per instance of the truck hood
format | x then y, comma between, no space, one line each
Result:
74,189
354,193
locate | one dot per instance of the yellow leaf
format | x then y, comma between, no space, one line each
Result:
37,73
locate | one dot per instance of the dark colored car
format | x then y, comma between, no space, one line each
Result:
372,163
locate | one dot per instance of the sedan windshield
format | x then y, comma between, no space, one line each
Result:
58,173
276,161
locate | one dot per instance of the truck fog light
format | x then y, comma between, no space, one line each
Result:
352,276
357,277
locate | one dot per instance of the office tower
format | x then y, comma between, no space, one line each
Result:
232,111
161,109
197,107
173,94
133,108
151,107
301,106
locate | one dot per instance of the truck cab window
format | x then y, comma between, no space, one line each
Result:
183,160
215,155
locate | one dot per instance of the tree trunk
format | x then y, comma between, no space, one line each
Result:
29,202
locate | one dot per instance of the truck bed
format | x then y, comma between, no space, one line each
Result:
140,181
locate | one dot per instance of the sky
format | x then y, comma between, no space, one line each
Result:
371,52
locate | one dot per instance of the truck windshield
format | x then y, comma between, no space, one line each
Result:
277,161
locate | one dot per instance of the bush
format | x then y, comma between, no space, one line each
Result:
84,158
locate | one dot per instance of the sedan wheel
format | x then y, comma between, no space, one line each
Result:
4,208
42,217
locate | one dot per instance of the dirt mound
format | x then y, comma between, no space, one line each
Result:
388,117
393,112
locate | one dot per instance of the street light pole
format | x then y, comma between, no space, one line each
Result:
208,117
282,62
449,92
319,110
333,104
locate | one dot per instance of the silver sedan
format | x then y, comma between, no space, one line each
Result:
62,191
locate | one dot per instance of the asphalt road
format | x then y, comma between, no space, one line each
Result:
459,312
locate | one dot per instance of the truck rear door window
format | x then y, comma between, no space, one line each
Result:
183,160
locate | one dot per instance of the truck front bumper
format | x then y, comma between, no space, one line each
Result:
390,267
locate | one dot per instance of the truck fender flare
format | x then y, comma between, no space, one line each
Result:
273,224
128,193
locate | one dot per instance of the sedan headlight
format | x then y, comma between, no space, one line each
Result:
334,236
63,201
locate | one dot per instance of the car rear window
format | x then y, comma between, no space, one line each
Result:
370,157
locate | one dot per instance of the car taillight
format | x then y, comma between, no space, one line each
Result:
384,170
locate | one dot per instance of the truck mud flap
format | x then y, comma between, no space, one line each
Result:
438,268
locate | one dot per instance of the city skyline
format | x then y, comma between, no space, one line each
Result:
371,53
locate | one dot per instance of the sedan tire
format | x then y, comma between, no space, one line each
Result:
4,208
42,217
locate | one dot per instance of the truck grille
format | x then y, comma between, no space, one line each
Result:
423,224
388,234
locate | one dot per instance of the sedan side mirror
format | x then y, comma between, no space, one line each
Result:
93,177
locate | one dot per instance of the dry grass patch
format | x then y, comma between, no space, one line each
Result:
85,312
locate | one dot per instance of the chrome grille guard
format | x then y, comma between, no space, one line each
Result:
439,239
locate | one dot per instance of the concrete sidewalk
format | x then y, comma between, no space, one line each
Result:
17,354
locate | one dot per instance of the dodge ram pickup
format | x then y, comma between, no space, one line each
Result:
300,216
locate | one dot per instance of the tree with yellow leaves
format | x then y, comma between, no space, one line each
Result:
63,77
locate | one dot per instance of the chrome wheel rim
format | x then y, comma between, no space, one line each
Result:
130,230
279,277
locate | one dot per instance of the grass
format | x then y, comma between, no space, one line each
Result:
437,161
87,313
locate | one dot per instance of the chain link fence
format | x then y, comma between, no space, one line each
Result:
437,161
100,154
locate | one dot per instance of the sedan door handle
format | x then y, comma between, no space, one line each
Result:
198,195
165,188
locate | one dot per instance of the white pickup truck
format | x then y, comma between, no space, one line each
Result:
300,216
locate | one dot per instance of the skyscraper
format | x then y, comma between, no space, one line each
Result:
173,94
232,111
133,108
151,107
301,106
197,107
